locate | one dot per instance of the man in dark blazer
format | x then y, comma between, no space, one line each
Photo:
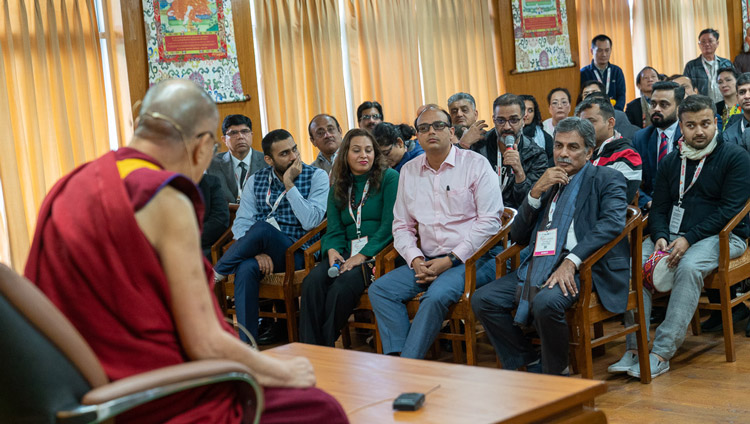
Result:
234,167
654,142
216,217
735,132
574,209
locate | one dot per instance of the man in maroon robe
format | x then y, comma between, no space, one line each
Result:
117,249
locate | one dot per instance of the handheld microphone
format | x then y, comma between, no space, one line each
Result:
509,141
333,271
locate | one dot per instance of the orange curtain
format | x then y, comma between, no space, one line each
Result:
457,54
52,106
300,56
612,18
382,47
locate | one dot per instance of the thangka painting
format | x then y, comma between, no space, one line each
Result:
194,39
540,28
746,25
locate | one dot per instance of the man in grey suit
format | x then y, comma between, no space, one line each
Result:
234,167
737,132
574,209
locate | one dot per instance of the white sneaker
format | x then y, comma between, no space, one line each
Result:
624,364
657,367
218,278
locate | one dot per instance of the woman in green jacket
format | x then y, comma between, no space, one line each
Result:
360,216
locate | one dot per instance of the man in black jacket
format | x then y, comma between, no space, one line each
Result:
573,210
518,161
699,189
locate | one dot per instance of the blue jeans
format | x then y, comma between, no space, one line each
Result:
389,293
240,260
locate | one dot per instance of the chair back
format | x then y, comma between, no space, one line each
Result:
46,365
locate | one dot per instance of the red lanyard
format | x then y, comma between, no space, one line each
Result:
698,170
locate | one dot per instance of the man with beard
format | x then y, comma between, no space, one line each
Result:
707,178
516,159
279,205
325,134
736,132
657,140
463,110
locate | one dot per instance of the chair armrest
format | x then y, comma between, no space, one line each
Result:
117,397
470,272
512,253
310,255
297,245
216,248
389,259
379,270
724,237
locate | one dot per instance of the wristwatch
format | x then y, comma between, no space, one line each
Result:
454,259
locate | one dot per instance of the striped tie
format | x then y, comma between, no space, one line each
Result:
662,147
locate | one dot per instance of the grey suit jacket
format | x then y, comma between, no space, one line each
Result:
599,217
733,134
221,167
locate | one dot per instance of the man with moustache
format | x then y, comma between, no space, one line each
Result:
235,166
463,110
573,210
657,140
369,114
449,196
279,205
325,134
517,160
736,132
707,178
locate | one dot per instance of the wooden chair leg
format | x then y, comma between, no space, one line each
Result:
695,324
346,339
470,329
291,319
455,327
587,362
726,318
599,332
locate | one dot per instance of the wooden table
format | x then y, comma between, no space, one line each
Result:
467,394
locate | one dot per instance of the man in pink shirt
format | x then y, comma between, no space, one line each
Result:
452,197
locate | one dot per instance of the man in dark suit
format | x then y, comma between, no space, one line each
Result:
654,142
216,217
234,167
574,209
736,131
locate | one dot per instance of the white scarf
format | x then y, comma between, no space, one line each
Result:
692,153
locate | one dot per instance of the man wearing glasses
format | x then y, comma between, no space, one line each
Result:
325,134
703,69
451,198
235,166
369,114
517,160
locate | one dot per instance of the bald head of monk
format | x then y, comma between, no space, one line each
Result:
176,126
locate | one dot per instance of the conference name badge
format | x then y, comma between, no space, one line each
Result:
271,220
676,219
358,244
545,242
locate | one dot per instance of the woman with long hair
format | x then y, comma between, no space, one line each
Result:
360,216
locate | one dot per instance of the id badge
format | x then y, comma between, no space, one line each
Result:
546,242
358,244
676,219
271,220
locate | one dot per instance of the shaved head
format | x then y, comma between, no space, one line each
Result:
175,110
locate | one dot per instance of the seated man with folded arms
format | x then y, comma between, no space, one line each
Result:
519,166
571,212
451,197
612,149
117,250
325,134
279,205
699,189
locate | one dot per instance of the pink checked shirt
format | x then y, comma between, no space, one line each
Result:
457,207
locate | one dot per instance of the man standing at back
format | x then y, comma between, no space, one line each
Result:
606,73
703,69
235,166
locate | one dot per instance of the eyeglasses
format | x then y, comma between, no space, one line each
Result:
387,151
235,133
501,121
706,43
376,117
438,125
560,104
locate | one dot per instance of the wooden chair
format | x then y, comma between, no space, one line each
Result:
729,273
461,311
286,286
588,311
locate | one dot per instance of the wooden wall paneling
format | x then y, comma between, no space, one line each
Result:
537,84
734,22
137,61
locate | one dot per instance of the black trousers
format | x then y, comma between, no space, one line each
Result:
327,303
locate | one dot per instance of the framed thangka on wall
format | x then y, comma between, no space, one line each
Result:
193,39
542,40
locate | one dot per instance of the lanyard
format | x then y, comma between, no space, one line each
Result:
684,190
501,171
358,219
268,196
599,78
601,148
552,208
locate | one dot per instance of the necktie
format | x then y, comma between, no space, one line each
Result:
662,147
243,165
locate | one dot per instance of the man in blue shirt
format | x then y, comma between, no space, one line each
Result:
601,70
279,204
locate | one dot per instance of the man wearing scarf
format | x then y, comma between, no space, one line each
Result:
686,218
573,209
